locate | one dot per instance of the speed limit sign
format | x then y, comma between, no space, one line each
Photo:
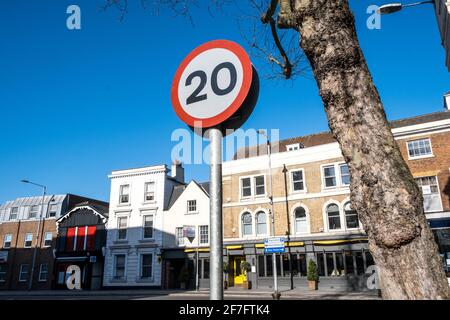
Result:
215,84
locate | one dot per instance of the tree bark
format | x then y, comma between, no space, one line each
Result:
383,190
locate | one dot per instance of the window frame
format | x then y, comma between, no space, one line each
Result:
255,186
294,216
341,228
115,277
121,194
293,147
4,241
144,227
292,182
4,273
25,240
441,207
45,239
141,265
252,187
241,188
201,234
50,211
252,233
340,175
421,156
259,212
30,211
337,176
345,203
26,273
179,236
188,206
41,273
119,228
146,192
16,214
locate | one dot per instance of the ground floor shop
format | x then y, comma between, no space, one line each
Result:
441,231
91,268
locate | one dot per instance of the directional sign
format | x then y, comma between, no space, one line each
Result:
212,83
274,245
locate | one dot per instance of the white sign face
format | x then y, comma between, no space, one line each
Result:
212,83
73,281
189,231
276,242
426,189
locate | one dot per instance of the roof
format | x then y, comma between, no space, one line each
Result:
327,137
178,190
32,201
102,209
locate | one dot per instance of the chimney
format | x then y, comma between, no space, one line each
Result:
447,101
178,171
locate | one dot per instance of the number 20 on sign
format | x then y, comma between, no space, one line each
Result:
213,83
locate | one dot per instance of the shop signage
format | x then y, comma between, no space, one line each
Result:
274,245
189,231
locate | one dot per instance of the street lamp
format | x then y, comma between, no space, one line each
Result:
44,190
395,7
276,295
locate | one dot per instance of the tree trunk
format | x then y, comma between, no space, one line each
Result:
383,191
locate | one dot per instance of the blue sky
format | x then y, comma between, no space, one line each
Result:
77,104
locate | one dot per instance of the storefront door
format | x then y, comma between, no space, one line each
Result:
239,277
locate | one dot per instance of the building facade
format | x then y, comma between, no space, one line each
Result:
24,234
312,205
443,16
135,225
81,241
186,237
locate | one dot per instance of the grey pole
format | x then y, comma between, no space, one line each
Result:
216,251
44,189
196,259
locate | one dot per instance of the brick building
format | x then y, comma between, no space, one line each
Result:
312,204
19,229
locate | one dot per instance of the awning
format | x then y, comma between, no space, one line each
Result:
195,250
235,247
288,244
71,258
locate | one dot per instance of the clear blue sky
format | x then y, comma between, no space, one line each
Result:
77,104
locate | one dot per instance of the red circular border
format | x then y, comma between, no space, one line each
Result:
235,105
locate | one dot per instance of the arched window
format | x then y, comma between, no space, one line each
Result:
301,223
261,223
334,219
247,228
351,217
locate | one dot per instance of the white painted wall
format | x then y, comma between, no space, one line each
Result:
135,245
177,216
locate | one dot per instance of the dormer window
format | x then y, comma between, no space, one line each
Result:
293,147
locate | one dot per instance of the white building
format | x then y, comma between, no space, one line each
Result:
135,226
186,233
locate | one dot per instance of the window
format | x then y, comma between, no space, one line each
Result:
204,236
28,240
261,223
48,239
345,174
333,215
431,196
3,271
119,266
124,194
206,269
33,212
192,206
259,186
180,236
14,211
43,272
419,148
246,188
351,217
330,176
146,266
149,191
297,181
301,223
7,241
23,273
148,227
247,228
122,223
293,147
70,239
53,210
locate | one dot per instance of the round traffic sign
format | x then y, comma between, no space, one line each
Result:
212,83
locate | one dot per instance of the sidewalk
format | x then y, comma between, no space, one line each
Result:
231,292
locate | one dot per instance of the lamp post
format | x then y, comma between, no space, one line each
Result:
395,7
276,295
44,190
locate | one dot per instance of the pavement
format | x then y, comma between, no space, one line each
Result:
230,294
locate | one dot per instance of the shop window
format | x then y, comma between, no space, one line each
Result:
269,266
349,262
206,269
3,272
369,259
320,264
261,268
302,265
359,262
330,265
339,263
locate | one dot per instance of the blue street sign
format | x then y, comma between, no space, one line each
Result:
274,250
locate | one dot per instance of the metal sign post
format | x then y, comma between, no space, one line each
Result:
215,88
216,256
